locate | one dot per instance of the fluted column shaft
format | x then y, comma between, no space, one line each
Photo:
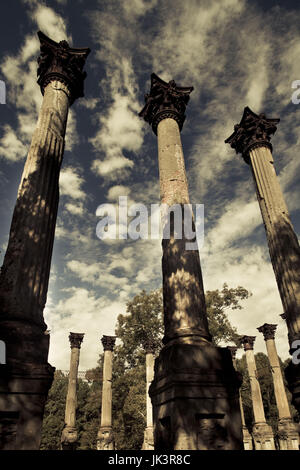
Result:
69,433
105,439
194,392
106,390
287,432
251,138
70,414
148,443
279,389
26,268
283,244
184,302
261,431
149,378
258,407
25,272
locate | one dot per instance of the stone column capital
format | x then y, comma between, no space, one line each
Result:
233,350
76,340
268,331
247,342
108,342
149,346
58,61
253,131
165,100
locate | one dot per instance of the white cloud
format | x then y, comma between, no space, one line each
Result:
70,183
11,147
89,103
113,167
120,129
81,312
50,23
75,209
115,191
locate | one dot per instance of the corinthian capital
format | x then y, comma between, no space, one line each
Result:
108,342
247,342
268,331
253,131
165,100
58,61
76,339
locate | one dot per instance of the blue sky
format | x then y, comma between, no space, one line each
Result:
235,53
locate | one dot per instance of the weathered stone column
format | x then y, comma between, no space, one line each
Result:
288,434
251,138
148,443
247,438
195,388
27,376
262,433
69,434
105,438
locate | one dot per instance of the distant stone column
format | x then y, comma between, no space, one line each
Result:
195,388
251,138
105,438
288,434
69,434
262,433
148,443
25,272
247,438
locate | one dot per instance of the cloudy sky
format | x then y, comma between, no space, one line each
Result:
235,53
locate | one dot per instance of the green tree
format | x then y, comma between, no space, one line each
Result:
54,415
91,410
218,303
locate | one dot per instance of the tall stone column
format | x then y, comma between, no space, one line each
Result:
69,434
247,438
27,376
288,434
195,388
251,138
105,438
262,433
148,443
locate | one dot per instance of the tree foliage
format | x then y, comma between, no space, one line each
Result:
218,303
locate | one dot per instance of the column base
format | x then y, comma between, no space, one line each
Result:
148,443
247,439
292,374
288,435
23,394
263,437
105,438
195,399
69,437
